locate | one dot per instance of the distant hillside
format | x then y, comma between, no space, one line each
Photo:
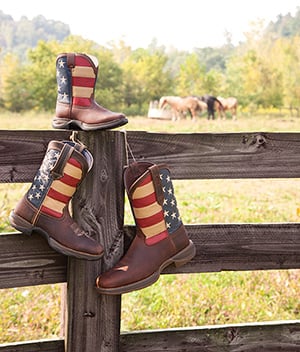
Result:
285,25
18,36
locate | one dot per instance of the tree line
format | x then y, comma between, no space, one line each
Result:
263,71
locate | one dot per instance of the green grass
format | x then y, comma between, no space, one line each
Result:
30,313
177,300
215,298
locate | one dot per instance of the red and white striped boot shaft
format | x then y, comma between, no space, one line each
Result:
44,208
76,108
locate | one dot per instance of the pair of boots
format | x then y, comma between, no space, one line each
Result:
160,238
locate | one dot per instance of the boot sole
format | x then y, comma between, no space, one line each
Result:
67,124
179,259
26,227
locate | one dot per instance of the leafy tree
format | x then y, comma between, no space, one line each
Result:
255,81
41,75
191,76
16,96
214,58
110,81
145,78
33,83
287,54
214,82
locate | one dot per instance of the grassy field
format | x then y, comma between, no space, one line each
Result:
178,300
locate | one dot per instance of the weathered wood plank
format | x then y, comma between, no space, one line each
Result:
28,260
94,320
256,337
21,153
190,156
34,346
240,247
220,155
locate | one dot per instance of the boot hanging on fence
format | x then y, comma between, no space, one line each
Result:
76,76
160,238
44,208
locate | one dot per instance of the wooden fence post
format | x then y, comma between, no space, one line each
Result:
94,320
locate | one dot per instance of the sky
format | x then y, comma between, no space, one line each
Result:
182,24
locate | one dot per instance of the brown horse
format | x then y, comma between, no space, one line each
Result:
229,104
182,105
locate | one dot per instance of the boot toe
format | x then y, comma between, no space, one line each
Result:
110,279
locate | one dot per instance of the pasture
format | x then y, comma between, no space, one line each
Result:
198,299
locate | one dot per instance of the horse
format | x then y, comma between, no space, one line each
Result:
212,104
230,104
181,105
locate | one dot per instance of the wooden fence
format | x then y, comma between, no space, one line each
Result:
93,320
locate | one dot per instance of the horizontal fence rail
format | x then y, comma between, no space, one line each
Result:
190,156
221,155
267,337
28,261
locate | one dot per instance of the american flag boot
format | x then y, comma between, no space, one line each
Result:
44,207
161,238
76,108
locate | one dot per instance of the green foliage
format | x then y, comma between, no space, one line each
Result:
41,309
145,78
190,79
264,71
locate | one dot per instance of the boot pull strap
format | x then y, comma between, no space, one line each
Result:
78,145
58,168
157,184
71,60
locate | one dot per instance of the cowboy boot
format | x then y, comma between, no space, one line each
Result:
44,208
160,238
76,76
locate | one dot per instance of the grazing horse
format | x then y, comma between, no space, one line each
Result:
230,104
181,105
212,102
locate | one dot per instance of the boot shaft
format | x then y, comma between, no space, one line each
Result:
76,76
151,194
63,168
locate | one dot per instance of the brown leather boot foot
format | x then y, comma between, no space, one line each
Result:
161,239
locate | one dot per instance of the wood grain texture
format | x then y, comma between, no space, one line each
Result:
257,337
234,247
190,156
21,153
220,155
37,346
28,261
94,320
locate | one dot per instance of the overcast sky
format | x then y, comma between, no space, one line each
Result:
184,24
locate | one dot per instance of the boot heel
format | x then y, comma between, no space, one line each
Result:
20,224
184,256
61,123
